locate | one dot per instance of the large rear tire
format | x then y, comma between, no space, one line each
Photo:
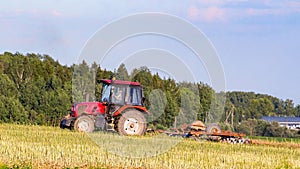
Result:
84,124
131,122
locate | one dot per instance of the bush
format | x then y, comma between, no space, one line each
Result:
255,127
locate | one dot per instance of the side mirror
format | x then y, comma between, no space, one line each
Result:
143,100
105,100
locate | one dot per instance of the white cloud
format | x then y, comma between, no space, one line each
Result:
228,10
209,14
193,13
212,2
219,2
275,8
214,14
252,11
56,13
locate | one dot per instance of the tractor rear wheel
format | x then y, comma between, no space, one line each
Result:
213,128
85,124
131,122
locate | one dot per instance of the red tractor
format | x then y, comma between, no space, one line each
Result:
121,108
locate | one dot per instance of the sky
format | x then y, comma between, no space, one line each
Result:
257,41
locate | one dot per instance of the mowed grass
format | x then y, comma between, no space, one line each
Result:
52,147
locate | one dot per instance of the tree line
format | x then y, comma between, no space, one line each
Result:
36,89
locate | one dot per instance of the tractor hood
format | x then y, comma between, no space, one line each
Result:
91,108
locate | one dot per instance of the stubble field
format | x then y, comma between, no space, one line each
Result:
52,147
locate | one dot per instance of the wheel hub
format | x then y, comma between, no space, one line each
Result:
83,126
131,126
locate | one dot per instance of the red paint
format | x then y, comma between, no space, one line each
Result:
141,108
121,82
92,108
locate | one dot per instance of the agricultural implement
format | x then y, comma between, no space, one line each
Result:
197,130
121,109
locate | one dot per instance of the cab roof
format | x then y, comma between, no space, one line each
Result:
120,82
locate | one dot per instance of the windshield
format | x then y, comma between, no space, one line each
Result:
121,94
105,93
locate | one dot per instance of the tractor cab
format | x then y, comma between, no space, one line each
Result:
118,92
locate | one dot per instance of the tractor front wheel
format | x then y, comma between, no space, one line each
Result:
84,124
131,122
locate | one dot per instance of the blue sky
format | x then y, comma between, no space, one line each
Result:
258,41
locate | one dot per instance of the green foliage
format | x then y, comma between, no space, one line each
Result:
157,107
12,111
8,87
37,89
205,95
250,105
260,107
83,85
297,111
254,127
122,73
189,106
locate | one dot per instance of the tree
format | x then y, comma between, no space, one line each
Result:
171,110
172,93
217,108
8,87
19,69
189,106
247,127
122,73
297,111
205,96
256,127
12,111
37,86
289,107
260,107
144,76
83,84
260,128
158,101
98,86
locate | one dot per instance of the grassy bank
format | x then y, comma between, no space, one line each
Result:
277,139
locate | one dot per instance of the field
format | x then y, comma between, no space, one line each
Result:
277,139
51,147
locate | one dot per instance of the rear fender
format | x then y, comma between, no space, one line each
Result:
91,116
123,108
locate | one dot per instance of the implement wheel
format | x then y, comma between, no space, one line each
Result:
213,128
131,122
